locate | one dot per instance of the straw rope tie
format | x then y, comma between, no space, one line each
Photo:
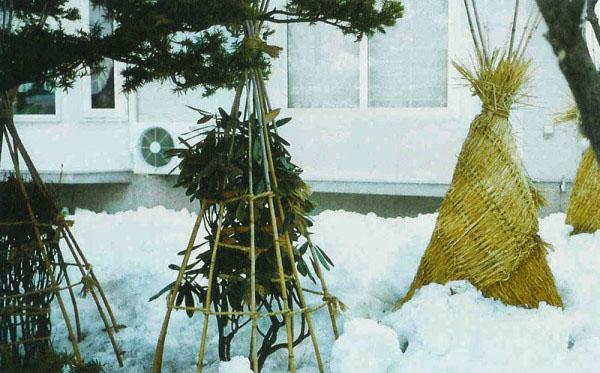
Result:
494,111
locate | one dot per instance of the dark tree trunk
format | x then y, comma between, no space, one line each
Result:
565,22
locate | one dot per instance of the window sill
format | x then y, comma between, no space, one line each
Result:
379,188
36,119
110,117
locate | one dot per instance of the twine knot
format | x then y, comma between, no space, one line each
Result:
253,44
88,284
495,111
336,302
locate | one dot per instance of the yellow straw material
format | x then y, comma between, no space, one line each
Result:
487,229
583,212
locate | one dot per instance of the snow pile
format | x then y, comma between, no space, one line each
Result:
453,328
365,346
449,328
238,364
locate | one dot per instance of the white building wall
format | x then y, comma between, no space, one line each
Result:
362,150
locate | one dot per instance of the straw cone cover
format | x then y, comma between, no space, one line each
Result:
487,229
583,212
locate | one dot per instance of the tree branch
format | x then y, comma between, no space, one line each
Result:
564,24
592,18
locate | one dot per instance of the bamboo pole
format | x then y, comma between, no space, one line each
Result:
207,300
290,252
65,269
533,29
248,313
160,346
318,270
472,29
525,29
83,263
481,34
39,291
253,341
513,28
287,317
109,328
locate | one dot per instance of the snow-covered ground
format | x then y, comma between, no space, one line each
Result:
375,260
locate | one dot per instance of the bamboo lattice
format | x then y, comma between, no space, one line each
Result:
30,236
257,106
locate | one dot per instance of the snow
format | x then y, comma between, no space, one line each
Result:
238,364
366,346
449,328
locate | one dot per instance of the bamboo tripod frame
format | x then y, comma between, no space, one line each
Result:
89,281
255,93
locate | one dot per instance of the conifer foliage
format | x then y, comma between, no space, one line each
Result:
202,44
36,46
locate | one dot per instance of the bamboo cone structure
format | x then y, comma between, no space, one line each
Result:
487,229
583,212
258,106
15,302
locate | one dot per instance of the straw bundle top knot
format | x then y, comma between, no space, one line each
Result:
498,77
498,81
571,115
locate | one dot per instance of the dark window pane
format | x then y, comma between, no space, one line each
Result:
103,87
103,83
35,99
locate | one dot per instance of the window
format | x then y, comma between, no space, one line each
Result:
323,68
103,82
405,68
408,66
35,99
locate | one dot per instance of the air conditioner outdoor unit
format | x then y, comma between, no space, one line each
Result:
151,143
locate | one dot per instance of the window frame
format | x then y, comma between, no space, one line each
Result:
45,118
120,112
454,91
